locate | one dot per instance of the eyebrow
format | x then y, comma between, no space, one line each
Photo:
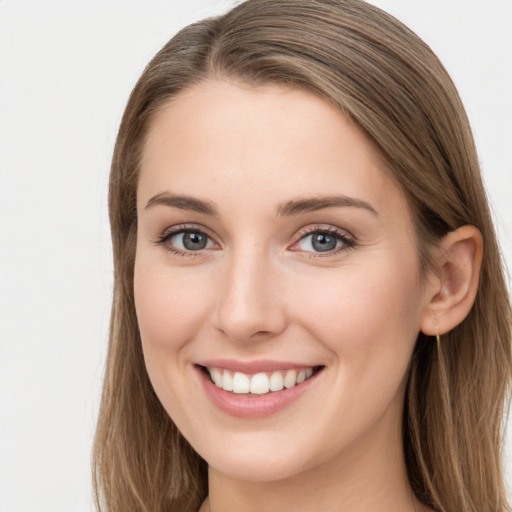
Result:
289,208
298,206
183,203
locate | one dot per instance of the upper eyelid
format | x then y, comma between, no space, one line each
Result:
301,232
326,228
180,228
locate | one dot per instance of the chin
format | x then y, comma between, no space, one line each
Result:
257,470
258,458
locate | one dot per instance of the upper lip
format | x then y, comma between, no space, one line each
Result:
256,366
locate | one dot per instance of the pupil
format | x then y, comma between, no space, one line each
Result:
323,243
194,241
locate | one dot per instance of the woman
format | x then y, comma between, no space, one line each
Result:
309,306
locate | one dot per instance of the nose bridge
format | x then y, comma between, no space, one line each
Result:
248,304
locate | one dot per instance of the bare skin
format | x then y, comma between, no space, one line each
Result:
231,164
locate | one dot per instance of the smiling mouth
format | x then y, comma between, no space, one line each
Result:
259,383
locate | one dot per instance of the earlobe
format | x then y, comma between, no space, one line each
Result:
459,261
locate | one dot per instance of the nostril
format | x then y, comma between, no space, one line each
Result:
242,334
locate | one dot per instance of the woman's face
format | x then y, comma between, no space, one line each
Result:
273,247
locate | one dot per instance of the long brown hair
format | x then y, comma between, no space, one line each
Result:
383,77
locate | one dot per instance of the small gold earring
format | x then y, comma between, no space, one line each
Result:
438,341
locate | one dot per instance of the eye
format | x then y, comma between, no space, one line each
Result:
190,241
324,241
186,240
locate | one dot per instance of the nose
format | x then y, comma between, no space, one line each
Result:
249,306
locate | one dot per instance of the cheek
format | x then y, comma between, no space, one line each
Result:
367,315
171,308
169,305
368,319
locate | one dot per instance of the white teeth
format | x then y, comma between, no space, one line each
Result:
216,376
241,383
259,383
290,379
227,382
276,381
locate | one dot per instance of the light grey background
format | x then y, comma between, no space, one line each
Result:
66,69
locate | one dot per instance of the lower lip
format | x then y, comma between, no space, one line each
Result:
253,406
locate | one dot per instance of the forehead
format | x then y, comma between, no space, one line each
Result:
254,146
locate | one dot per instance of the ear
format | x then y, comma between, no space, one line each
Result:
453,289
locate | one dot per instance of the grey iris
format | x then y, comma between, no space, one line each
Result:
194,241
323,242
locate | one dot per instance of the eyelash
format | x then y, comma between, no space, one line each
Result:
348,242
165,238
